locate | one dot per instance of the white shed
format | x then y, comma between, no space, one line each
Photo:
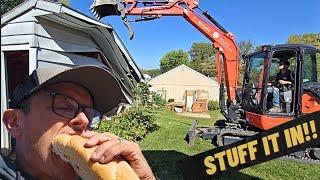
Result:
40,34
174,84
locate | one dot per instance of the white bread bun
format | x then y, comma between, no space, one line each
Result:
71,149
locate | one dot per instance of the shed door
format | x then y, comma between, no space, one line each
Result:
16,70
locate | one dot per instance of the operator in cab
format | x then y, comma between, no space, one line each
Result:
284,79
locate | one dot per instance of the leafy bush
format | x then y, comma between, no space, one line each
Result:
134,124
158,100
137,121
144,98
141,94
213,105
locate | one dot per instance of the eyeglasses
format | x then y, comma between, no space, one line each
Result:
69,108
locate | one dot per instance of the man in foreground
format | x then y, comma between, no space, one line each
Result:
56,101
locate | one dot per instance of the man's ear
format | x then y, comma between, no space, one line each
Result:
11,119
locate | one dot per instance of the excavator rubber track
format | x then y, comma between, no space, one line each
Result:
236,134
219,135
308,156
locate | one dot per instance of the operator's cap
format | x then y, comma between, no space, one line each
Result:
99,81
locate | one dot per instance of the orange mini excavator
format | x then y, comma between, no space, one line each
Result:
250,109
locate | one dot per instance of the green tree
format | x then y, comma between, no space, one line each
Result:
151,72
245,48
203,58
173,59
312,39
308,38
7,5
64,2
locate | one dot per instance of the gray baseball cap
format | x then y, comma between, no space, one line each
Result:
99,81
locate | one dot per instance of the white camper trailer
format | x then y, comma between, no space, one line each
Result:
39,33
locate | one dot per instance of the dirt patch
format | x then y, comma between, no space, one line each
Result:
195,115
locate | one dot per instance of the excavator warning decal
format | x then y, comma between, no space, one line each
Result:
295,135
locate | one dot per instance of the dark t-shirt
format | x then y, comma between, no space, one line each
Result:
287,76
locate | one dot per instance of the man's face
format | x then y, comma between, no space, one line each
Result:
283,66
41,125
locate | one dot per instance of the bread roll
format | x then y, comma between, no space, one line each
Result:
71,150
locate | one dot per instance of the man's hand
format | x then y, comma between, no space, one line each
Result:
283,82
110,146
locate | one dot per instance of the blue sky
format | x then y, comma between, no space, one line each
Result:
262,22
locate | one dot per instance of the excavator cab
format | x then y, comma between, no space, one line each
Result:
280,82
297,66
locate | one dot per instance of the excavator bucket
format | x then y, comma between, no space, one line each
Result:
192,133
102,8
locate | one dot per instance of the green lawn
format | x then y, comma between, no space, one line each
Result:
164,147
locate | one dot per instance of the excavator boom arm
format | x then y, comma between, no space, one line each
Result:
222,40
